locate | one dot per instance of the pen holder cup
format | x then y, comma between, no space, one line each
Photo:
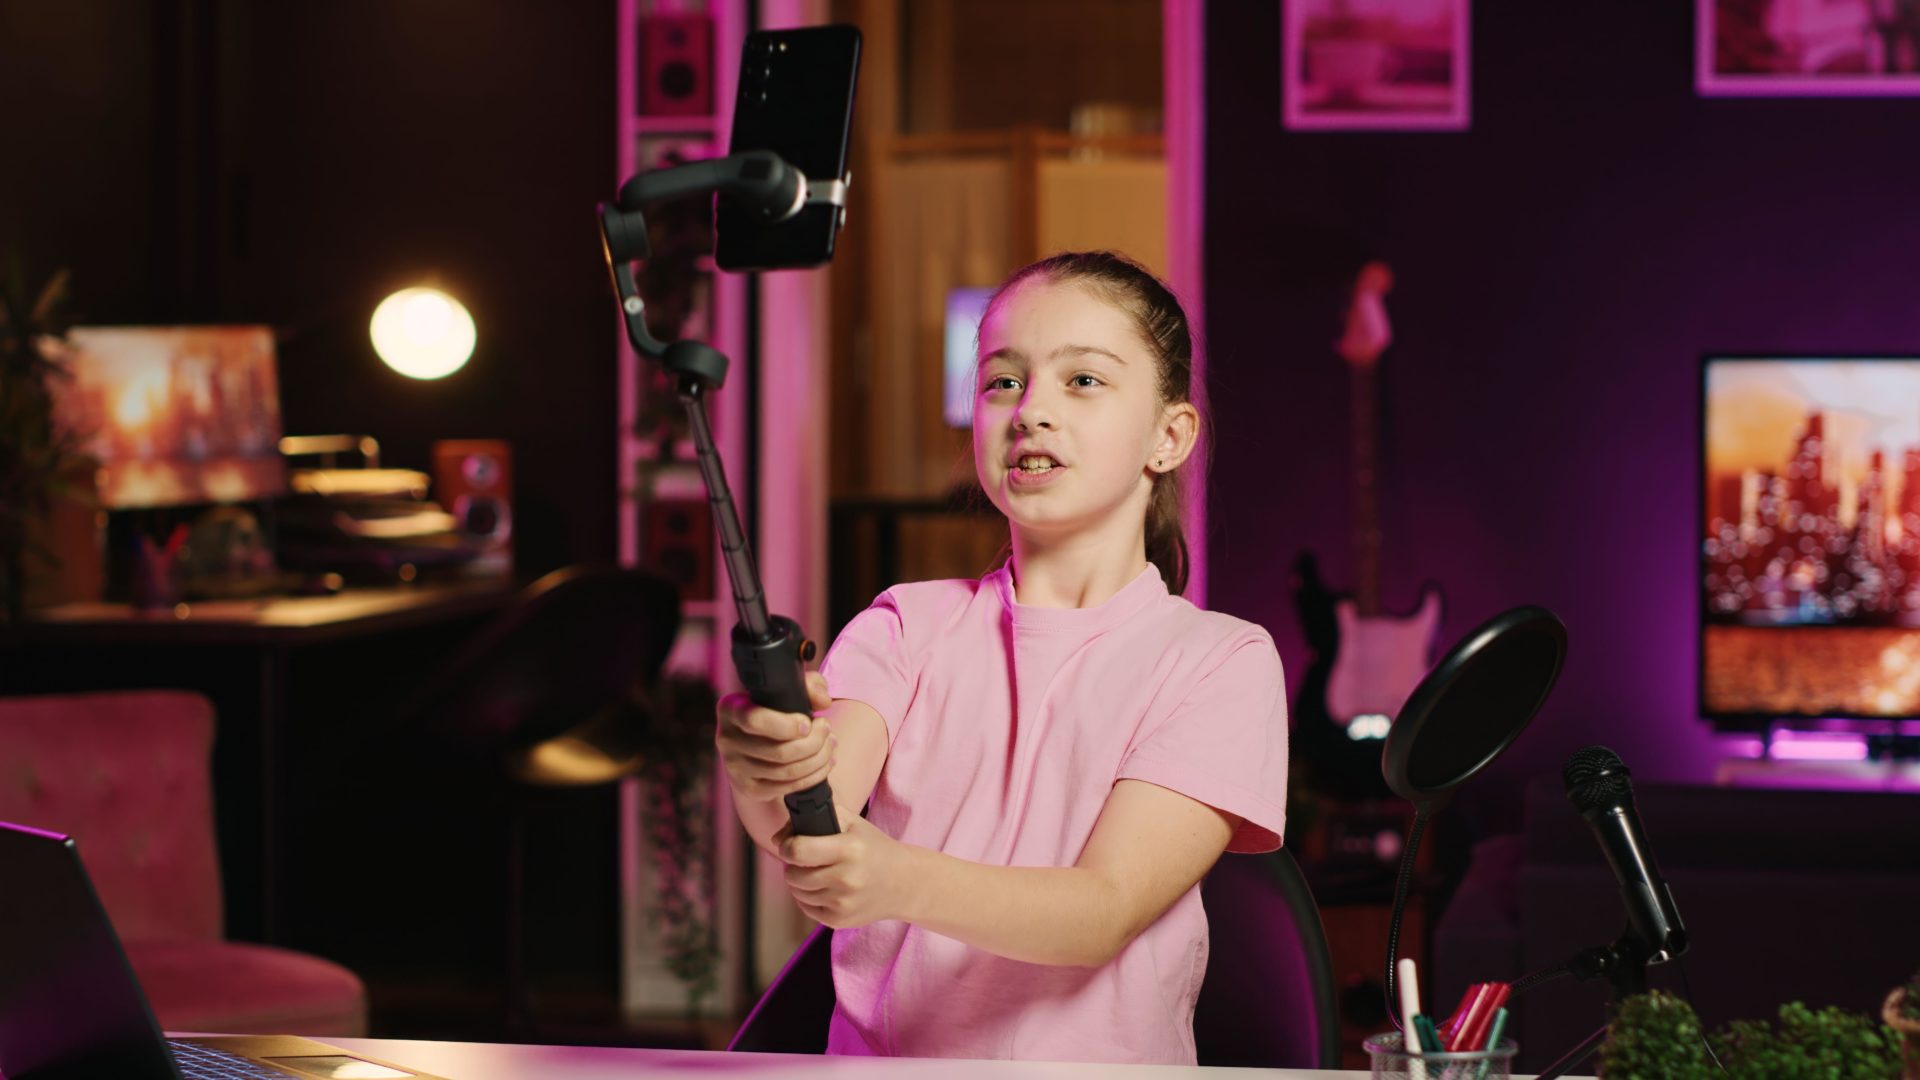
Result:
1392,1061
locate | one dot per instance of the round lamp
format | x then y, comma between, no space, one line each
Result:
422,333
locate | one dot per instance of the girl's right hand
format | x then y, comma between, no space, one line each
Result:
769,754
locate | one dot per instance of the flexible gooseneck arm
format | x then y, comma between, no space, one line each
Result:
769,651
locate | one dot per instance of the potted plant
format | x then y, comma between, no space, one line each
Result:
1825,1043
1655,1037
1659,1036
40,464
1902,1014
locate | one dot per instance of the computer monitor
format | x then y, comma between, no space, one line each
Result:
965,308
177,416
1810,553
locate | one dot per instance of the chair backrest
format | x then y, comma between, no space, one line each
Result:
125,774
1268,999
568,646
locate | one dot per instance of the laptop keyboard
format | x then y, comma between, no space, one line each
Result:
203,1063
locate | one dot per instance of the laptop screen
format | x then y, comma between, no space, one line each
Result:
69,1003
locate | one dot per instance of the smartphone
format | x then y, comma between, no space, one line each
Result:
796,99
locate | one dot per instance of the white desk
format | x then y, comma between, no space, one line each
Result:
496,1061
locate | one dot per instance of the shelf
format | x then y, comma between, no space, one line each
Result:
671,125
684,452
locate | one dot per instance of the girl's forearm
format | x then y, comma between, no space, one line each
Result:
1037,914
761,818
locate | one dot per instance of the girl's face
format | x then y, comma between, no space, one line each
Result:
1068,420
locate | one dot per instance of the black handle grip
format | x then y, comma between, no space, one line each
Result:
774,673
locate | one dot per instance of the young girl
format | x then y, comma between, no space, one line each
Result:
1050,757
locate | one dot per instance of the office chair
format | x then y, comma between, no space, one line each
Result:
547,696
128,775
531,693
1268,999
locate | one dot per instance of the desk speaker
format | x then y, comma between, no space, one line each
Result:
676,65
473,481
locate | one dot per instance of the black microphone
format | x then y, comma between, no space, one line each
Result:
1600,787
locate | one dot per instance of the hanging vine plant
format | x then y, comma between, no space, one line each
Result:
677,777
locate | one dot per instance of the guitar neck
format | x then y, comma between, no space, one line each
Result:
1366,494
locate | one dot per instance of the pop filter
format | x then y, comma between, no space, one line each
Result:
1465,713
1473,704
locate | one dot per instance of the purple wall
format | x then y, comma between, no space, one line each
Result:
393,143
1561,267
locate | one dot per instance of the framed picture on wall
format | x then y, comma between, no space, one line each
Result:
1807,48
1374,65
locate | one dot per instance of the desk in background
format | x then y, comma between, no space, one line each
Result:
274,621
241,653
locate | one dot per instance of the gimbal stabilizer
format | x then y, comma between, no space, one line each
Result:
769,651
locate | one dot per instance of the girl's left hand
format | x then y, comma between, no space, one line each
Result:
855,877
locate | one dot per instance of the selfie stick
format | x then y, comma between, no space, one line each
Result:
769,651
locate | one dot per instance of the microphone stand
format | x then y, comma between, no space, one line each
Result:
1623,964
769,651
1402,885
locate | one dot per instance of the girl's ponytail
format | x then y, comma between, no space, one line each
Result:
1166,534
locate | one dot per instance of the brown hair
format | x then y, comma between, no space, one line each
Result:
1162,325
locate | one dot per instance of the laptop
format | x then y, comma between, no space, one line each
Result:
70,1006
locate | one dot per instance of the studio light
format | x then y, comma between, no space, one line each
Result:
422,333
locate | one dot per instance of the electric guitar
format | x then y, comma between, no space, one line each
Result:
1367,661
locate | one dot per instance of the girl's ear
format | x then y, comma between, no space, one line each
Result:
1178,434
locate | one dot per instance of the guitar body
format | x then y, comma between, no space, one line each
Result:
1330,757
1381,659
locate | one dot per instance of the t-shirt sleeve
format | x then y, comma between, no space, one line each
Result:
1225,745
868,663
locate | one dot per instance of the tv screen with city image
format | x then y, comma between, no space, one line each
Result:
1810,562
177,416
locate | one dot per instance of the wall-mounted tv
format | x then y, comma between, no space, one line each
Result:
1810,547
960,337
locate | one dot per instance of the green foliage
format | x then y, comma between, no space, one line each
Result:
1657,1036
36,456
676,714
1828,1044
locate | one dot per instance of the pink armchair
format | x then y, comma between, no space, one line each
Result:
126,774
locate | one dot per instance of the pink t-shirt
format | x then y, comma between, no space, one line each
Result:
1008,726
